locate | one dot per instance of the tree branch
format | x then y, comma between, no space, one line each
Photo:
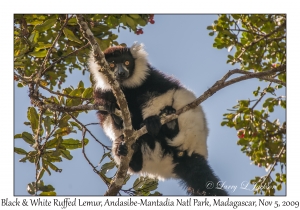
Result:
258,40
40,71
86,129
273,165
63,57
116,185
212,90
61,94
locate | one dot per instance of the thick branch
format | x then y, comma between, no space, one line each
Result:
128,131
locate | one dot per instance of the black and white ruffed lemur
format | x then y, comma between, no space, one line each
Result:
176,149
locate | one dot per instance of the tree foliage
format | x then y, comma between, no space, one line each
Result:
48,48
260,45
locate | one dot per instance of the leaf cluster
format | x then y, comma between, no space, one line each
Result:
47,48
259,43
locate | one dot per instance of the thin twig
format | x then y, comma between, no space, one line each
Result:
61,94
40,71
258,40
273,165
83,126
63,57
83,150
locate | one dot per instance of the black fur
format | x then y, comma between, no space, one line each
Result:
197,175
193,170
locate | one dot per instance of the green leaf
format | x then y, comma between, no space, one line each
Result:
33,117
51,143
230,116
66,154
52,166
39,54
45,165
76,92
80,84
47,188
223,123
41,174
130,22
23,160
87,93
45,26
63,131
138,183
104,156
85,141
47,124
20,85
28,138
20,151
283,104
243,142
73,101
155,194
63,122
70,35
34,37
18,136
76,125
209,28
51,193
71,143
270,89
107,166
150,185
42,45
48,113
134,16
72,21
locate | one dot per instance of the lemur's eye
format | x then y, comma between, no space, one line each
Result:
126,63
111,65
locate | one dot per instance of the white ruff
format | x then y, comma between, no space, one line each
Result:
140,72
99,79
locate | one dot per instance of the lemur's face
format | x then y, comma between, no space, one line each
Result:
121,63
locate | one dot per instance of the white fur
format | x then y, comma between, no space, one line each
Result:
192,124
140,72
113,134
155,165
100,80
156,104
109,129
